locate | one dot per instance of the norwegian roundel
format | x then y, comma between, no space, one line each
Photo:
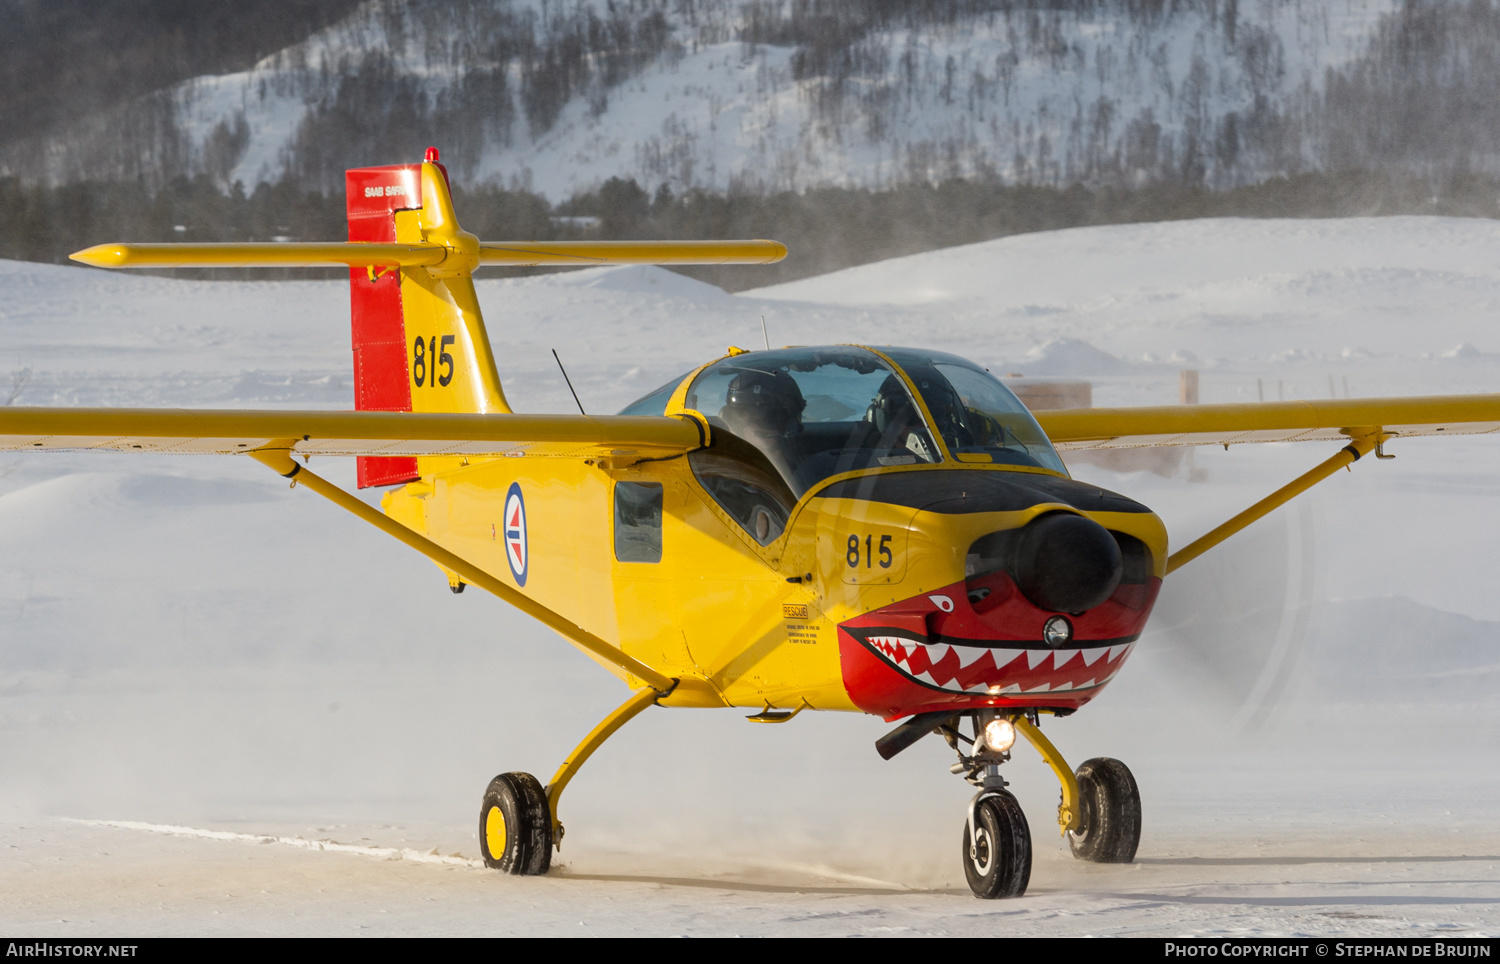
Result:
516,552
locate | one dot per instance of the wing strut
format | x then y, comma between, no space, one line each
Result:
1361,446
278,456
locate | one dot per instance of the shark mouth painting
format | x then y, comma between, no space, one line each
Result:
935,651
980,667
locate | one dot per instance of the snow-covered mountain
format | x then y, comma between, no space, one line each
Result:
787,94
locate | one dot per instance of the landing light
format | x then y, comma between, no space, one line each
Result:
999,734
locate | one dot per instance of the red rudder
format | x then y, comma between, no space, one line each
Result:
381,380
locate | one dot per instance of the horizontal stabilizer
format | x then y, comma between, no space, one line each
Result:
179,431
260,255
362,254
631,252
1076,429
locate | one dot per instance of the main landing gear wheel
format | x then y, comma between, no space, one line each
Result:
515,825
1110,821
997,847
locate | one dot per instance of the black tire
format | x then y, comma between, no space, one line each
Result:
1110,819
515,825
997,861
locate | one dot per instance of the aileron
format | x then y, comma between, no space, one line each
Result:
1172,425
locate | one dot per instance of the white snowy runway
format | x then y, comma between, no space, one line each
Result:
87,880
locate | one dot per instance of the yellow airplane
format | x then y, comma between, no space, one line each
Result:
840,528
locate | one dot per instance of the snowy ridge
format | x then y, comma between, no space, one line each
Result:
721,94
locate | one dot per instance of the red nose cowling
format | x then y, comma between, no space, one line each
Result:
982,643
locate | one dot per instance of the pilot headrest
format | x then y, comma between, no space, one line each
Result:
765,403
892,407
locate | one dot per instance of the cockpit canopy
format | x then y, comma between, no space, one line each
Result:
785,420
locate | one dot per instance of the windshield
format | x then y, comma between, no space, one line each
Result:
785,420
975,414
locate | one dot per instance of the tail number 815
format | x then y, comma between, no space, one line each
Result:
874,552
425,361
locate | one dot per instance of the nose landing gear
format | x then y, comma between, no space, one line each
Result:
997,843
1100,811
997,838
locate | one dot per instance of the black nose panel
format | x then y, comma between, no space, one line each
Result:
1066,563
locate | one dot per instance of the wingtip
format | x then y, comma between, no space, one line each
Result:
103,256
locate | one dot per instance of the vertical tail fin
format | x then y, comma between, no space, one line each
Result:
418,337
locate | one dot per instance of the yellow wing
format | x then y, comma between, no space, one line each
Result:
179,431
1113,428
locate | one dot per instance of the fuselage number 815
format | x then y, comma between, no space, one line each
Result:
426,361
871,551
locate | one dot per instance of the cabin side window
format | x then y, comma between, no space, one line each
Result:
638,521
656,402
743,482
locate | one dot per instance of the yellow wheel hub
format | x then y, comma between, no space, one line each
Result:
494,832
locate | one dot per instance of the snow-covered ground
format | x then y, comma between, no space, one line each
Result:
187,644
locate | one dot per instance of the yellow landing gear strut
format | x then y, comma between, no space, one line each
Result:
1067,810
606,728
